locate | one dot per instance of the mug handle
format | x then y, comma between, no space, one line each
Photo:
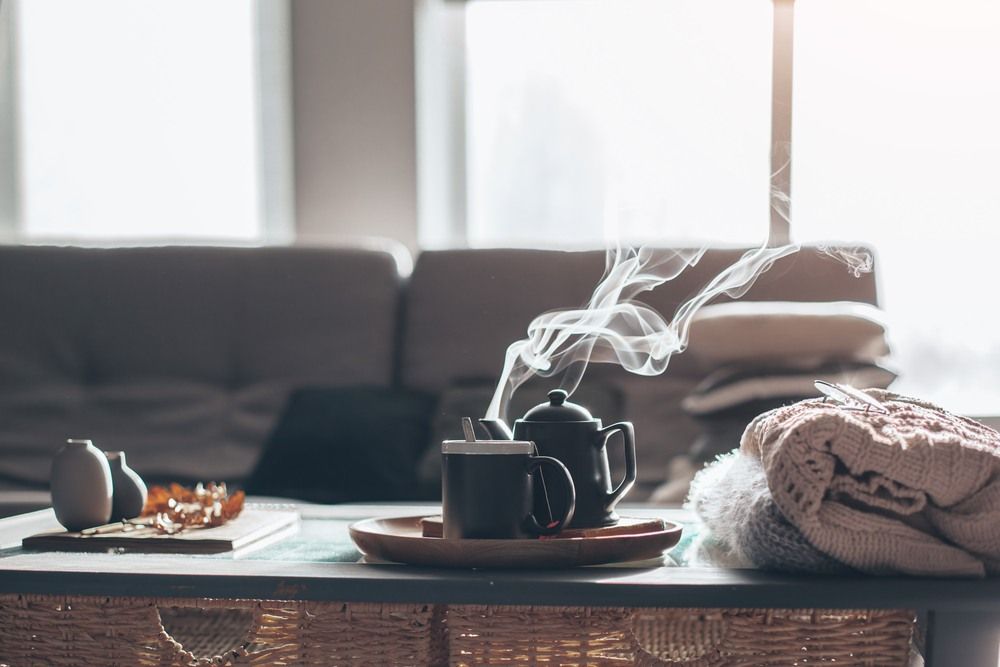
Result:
533,526
628,434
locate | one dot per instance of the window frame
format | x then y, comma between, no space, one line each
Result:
9,183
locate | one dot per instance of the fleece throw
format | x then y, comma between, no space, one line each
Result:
912,489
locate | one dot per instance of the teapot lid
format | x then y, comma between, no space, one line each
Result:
558,409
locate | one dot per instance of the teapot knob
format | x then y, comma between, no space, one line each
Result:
557,409
557,396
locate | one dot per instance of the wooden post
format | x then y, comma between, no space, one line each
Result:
10,213
781,120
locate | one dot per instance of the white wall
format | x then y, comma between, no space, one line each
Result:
354,113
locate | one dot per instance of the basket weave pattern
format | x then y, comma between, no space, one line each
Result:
772,637
60,631
369,634
63,631
509,635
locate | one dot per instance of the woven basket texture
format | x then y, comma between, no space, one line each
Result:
519,635
773,637
585,637
60,631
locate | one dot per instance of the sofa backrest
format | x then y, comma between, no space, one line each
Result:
184,356
181,356
464,307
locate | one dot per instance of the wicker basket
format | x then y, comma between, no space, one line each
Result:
506,635
130,632
580,637
119,632
772,637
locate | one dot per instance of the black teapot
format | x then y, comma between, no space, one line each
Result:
567,432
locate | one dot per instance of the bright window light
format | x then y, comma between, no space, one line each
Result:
897,143
137,120
640,118
650,120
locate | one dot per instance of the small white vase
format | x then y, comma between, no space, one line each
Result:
81,486
129,495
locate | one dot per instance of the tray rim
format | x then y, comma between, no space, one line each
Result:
672,530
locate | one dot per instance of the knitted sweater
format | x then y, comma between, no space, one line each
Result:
745,527
913,490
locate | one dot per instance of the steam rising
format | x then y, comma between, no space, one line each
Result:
858,260
613,327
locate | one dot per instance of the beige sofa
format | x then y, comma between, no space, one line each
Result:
184,356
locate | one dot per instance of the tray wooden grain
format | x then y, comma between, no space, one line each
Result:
250,527
433,526
401,539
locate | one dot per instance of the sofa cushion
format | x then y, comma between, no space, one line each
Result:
180,356
171,429
347,444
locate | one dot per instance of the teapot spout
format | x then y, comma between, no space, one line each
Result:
497,429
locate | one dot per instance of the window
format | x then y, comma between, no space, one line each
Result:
897,143
595,119
650,121
138,120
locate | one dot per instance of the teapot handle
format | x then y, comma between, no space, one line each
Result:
628,434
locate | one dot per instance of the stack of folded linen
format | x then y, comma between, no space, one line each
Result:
764,354
909,488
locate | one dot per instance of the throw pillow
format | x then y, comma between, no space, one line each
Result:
726,401
733,388
350,444
810,333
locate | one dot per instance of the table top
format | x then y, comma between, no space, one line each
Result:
320,563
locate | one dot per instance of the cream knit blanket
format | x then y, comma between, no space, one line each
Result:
742,527
915,490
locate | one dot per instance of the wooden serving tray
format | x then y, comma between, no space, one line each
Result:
433,526
252,526
401,539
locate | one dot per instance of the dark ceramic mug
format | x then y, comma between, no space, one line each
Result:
487,490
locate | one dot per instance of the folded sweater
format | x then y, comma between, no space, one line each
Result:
914,489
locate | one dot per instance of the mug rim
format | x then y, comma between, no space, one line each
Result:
487,447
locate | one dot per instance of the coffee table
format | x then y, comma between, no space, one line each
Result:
320,564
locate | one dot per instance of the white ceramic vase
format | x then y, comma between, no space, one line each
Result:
129,495
81,486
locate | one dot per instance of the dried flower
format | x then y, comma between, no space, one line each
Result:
176,508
